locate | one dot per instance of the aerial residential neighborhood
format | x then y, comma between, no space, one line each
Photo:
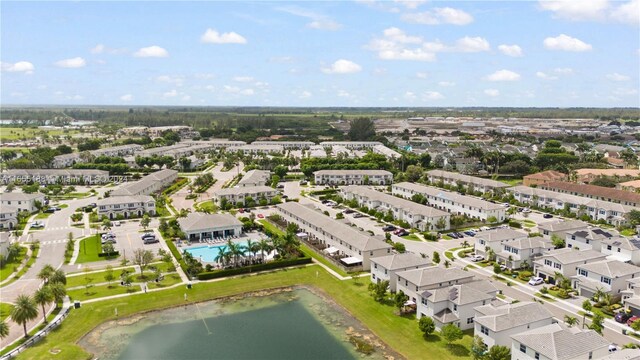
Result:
320,180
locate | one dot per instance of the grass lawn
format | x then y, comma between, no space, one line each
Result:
305,249
628,232
512,182
90,247
42,215
448,255
5,310
169,279
9,267
545,297
101,291
401,333
206,206
32,259
98,277
446,237
16,133
411,237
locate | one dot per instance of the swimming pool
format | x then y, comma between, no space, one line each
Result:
208,253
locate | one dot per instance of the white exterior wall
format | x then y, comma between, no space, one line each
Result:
8,220
379,273
516,354
136,208
582,243
351,179
503,337
625,254
240,197
464,312
617,284
24,205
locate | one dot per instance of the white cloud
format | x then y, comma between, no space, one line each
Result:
618,77
151,51
126,97
210,87
21,66
211,36
409,95
563,71
236,90
627,13
186,97
446,83
343,93
73,63
566,43
471,44
176,80
625,91
439,16
342,66
243,79
396,35
324,24
491,92
102,49
172,93
422,75
98,49
510,50
410,4
74,97
576,10
503,75
305,95
432,95
545,76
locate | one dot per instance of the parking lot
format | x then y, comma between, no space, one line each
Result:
128,238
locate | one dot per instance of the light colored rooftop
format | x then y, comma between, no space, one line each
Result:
571,199
401,261
570,256
407,205
462,294
247,190
18,196
557,342
499,318
201,221
563,225
255,176
467,178
449,195
434,275
610,268
354,172
500,235
125,199
529,243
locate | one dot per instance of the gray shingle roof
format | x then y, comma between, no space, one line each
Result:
401,261
529,243
570,256
500,235
247,190
201,221
126,199
556,342
448,195
255,176
353,172
623,243
407,205
434,275
16,196
467,178
462,294
610,268
562,225
510,315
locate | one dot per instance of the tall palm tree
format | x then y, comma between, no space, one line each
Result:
264,246
223,256
250,245
43,297
570,320
465,244
4,329
253,248
45,273
598,294
24,311
58,277
58,291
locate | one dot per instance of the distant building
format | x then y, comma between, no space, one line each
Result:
353,177
559,342
239,195
202,227
21,201
126,206
54,176
471,183
544,177
255,178
148,185
560,228
586,176
384,268
595,192
633,185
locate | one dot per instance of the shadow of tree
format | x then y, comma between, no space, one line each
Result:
458,350
432,338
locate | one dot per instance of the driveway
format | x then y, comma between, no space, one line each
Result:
180,200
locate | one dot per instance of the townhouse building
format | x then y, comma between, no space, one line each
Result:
588,238
560,228
517,253
417,216
8,217
383,150
451,202
65,160
622,248
353,177
414,282
240,195
4,244
631,296
493,239
564,261
351,145
255,178
122,150
384,268
252,149
455,304
55,176
608,275
287,145
148,184
496,324
595,192
612,213
471,183
202,227
559,342
22,201
354,248
126,206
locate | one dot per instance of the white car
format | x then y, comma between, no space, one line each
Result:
476,258
535,281
116,223
526,210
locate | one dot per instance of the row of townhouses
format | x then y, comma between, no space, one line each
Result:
13,203
451,202
147,185
472,183
353,177
416,215
612,213
239,195
594,192
67,160
255,178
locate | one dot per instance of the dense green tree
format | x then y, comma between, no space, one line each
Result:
361,129
23,311
426,325
498,352
451,333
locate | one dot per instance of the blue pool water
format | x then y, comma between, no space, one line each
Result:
208,253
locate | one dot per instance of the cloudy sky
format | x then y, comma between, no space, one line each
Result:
361,53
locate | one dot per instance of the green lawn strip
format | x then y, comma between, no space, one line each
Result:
449,255
411,237
401,333
9,267
50,317
545,297
95,292
32,259
305,249
5,310
97,277
42,215
169,279
446,237
90,247
206,206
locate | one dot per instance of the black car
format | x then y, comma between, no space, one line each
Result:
622,317
453,235
547,216
388,228
348,211
49,210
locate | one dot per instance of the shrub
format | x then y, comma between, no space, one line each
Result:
103,254
515,224
525,275
544,290
253,268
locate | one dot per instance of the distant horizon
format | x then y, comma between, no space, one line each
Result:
363,53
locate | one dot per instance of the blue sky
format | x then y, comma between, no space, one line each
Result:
362,53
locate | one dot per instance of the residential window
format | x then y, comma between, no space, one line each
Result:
583,272
484,330
536,356
375,266
547,262
455,307
373,276
470,320
605,280
557,266
590,355
424,302
608,247
523,348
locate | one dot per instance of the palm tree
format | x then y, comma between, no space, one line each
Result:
598,294
223,255
58,291
24,311
249,245
45,273
465,244
571,321
264,246
4,329
58,277
42,297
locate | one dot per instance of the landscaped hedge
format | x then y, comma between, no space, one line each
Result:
253,268
103,254
177,255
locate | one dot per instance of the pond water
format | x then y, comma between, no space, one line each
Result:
287,324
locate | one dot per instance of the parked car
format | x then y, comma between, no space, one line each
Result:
622,317
453,235
49,210
303,182
632,320
37,225
147,235
402,232
476,258
348,211
358,215
536,281
506,205
470,233
388,228
116,223
150,240
547,216
280,186
526,210
260,216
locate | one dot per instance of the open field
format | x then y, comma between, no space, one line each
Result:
15,133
